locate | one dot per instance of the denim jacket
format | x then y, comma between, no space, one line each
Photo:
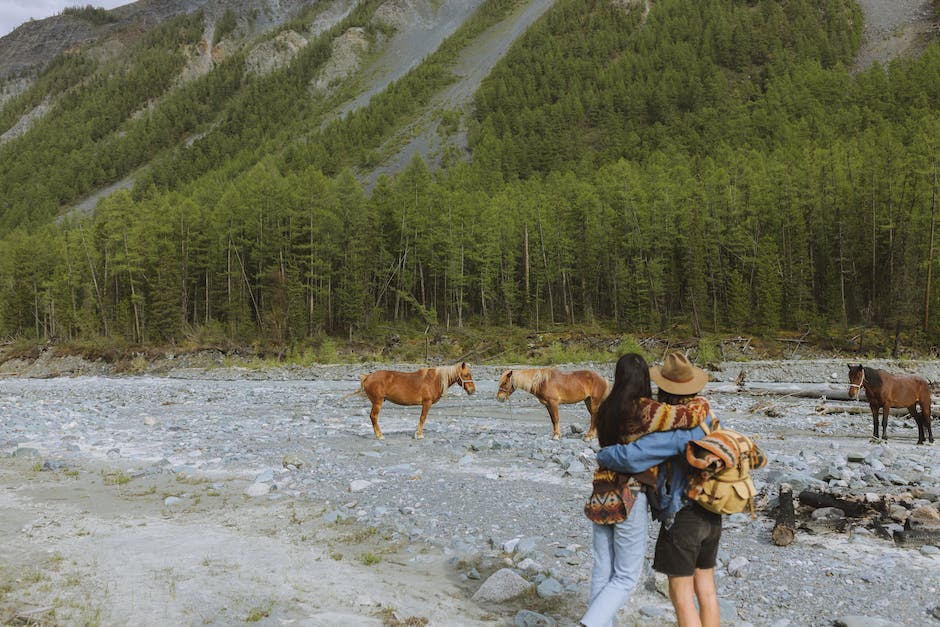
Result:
665,449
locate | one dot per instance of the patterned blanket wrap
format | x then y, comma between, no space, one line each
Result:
724,459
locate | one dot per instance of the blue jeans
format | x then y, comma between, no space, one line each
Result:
619,552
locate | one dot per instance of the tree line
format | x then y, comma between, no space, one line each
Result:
718,168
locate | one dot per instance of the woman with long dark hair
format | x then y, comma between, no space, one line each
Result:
618,505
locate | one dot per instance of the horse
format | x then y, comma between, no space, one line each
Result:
885,390
553,387
423,387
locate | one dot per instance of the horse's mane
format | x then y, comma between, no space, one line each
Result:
447,375
873,376
529,379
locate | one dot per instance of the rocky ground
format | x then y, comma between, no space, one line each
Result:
227,495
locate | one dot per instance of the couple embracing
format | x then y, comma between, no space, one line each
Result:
642,465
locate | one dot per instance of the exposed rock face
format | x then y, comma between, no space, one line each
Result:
37,42
346,57
25,122
275,53
402,14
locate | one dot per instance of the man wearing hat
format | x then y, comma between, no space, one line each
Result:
687,547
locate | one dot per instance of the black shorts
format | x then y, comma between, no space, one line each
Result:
691,542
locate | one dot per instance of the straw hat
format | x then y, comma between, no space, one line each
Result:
678,376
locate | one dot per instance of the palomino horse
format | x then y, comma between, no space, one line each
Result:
424,387
553,388
885,390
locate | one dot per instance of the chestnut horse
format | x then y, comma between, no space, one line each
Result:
554,387
424,387
885,390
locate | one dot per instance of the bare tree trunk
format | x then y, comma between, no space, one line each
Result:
933,211
94,280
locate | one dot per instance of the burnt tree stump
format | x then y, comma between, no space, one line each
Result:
785,530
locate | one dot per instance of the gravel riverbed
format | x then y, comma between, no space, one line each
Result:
223,496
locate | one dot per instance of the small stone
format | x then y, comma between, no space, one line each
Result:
502,585
738,566
828,514
549,588
333,516
652,611
265,476
257,489
929,549
528,618
358,485
150,421
864,621
25,451
172,500
473,573
527,545
510,545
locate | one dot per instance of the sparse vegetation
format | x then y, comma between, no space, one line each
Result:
89,13
259,612
115,477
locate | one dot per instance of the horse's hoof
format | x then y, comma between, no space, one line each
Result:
419,436
380,437
556,436
590,436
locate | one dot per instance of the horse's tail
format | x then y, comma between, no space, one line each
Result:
360,392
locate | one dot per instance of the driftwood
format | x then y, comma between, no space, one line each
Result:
865,410
785,530
816,500
802,390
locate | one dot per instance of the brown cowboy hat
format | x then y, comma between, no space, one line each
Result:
678,376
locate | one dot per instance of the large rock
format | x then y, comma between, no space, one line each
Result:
502,585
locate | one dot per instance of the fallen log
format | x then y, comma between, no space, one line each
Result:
852,508
801,390
865,410
785,530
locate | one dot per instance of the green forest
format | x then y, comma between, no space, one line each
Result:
714,166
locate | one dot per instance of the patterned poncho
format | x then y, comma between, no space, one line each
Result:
614,493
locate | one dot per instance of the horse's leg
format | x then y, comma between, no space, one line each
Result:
553,413
884,421
592,409
925,412
874,421
374,415
919,420
425,406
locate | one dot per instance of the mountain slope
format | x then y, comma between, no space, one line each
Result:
708,166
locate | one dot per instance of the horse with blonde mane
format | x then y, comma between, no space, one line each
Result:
424,387
553,387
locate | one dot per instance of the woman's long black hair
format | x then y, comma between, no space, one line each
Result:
622,405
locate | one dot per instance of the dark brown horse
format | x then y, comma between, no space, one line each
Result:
885,390
553,388
424,387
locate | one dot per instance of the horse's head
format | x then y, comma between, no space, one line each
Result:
505,386
856,379
466,381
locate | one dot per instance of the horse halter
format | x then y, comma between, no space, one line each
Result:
508,390
858,386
